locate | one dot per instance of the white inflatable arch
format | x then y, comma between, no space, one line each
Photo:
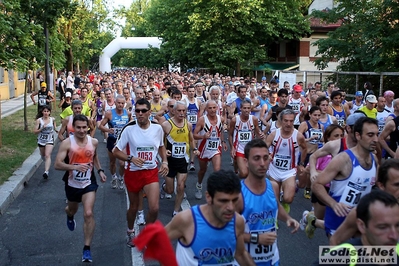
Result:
125,43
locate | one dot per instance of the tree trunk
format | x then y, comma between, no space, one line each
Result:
238,69
25,102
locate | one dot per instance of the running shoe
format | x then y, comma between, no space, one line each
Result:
198,191
105,140
45,175
114,182
162,191
71,223
185,195
129,239
310,228
140,218
286,207
302,222
86,256
192,167
306,193
121,183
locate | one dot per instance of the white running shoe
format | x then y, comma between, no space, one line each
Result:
121,183
303,222
140,218
114,182
198,191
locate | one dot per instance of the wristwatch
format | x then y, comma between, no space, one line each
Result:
301,163
254,239
129,158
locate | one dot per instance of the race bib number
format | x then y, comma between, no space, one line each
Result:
146,153
178,150
380,127
81,176
44,137
341,122
42,101
296,107
192,119
117,132
262,253
213,144
282,162
352,193
317,135
244,136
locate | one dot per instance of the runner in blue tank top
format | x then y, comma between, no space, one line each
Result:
212,233
260,207
352,174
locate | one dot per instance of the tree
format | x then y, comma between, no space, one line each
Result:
367,40
220,34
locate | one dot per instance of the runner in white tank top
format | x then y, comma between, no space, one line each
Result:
209,133
284,145
242,130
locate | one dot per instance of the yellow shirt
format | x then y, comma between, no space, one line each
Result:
68,111
369,113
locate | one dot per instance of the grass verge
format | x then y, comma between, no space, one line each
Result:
17,144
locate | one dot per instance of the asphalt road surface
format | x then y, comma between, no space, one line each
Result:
33,231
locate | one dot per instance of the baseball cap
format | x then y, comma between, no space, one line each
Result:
263,78
68,94
43,84
297,88
236,83
359,93
351,120
371,98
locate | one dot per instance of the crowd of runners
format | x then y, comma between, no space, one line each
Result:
280,137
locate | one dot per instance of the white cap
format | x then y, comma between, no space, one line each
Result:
371,98
68,94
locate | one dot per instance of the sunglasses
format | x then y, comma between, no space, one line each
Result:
141,110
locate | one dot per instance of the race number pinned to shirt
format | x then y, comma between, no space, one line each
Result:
192,118
262,253
282,162
352,193
146,153
244,136
178,150
81,176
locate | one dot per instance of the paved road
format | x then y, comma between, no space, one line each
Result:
33,231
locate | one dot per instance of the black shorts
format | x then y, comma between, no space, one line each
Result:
177,166
315,199
110,143
50,143
75,194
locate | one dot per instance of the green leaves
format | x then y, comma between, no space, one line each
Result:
368,39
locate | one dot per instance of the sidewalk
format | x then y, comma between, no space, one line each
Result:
11,106
14,185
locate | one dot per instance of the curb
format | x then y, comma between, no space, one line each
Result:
11,188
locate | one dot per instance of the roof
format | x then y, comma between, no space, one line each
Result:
276,66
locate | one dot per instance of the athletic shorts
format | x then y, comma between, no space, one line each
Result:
177,166
110,143
135,181
315,199
239,154
50,143
75,194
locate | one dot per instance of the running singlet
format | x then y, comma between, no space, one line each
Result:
192,112
311,132
46,136
341,116
285,154
327,123
350,190
211,146
42,96
178,140
80,155
381,118
243,133
355,107
99,105
155,108
143,143
70,128
210,246
109,107
117,123
260,213
297,106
